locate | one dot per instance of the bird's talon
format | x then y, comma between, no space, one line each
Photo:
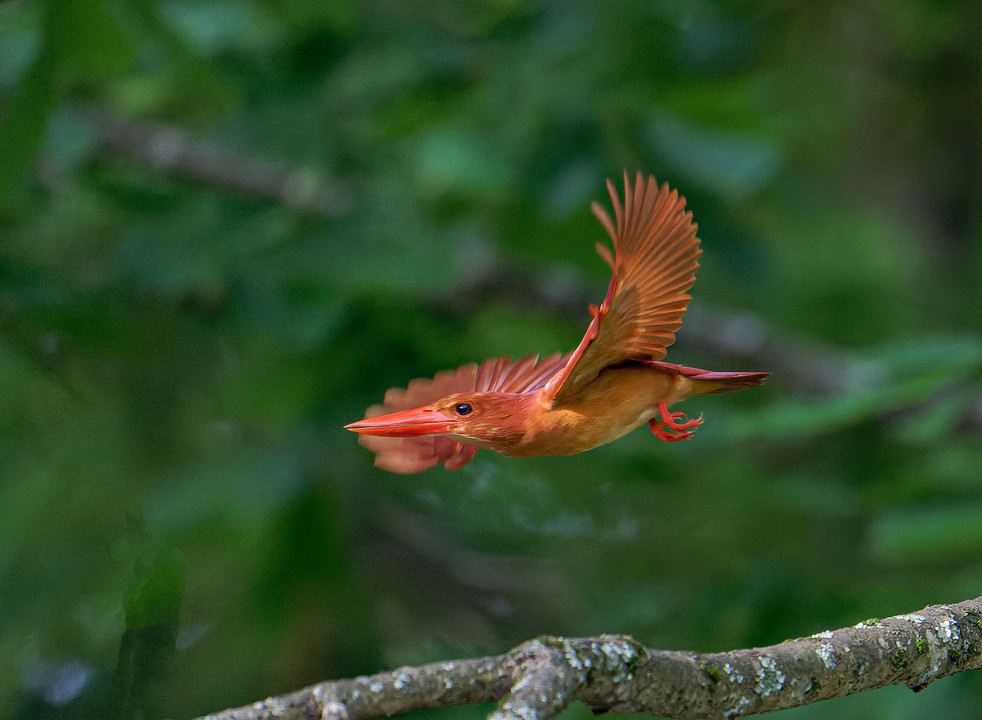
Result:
679,421
664,432
683,423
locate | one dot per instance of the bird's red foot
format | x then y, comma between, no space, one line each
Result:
462,455
673,426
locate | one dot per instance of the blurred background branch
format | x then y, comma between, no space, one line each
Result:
805,364
170,149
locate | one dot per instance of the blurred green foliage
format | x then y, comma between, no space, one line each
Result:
228,226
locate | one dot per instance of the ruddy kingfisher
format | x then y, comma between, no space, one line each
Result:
613,382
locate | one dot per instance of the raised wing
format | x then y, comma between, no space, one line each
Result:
413,455
654,264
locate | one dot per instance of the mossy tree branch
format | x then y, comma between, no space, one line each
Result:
614,672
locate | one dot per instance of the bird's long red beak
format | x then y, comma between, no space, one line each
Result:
405,423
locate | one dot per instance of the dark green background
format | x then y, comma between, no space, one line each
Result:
227,227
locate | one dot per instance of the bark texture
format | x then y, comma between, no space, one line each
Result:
538,679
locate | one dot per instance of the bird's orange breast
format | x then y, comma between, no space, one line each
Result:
615,403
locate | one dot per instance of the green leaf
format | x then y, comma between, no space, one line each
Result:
734,164
155,596
88,43
81,42
25,118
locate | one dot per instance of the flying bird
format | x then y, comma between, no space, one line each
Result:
613,382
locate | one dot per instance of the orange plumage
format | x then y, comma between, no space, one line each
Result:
613,382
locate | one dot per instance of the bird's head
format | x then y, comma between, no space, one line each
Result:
485,419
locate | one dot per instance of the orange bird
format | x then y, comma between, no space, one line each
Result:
613,382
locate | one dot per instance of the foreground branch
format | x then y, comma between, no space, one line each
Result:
614,672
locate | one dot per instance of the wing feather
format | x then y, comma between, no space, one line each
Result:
654,263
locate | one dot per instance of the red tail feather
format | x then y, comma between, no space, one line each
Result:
729,381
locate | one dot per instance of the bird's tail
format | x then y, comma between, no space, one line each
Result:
729,381
709,382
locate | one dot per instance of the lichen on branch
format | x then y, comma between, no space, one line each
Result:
615,672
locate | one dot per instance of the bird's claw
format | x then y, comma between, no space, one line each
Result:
661,431
673,426
679,421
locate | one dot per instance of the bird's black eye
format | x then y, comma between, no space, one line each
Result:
463,408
